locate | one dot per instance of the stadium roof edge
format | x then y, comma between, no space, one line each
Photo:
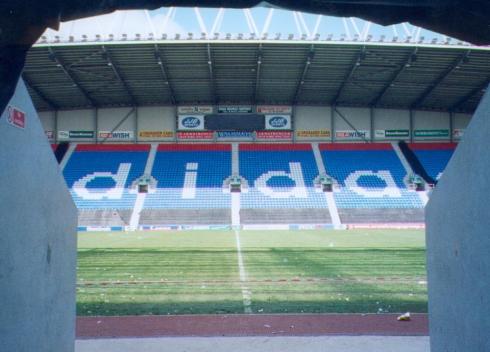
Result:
261,41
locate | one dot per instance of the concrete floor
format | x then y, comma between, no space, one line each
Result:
256,344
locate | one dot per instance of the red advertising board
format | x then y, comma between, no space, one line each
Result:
195,135
16,117
274,135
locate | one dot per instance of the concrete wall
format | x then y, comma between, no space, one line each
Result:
77,120
458,245
159,123
426,120
156,119
37,239
388,119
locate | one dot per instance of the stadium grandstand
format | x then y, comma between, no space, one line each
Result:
295,179
345,129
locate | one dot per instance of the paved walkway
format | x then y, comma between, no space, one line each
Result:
259,344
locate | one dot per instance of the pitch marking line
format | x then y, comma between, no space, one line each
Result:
246,293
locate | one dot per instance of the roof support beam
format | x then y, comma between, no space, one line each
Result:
107,55
428,91
66,70
211,74
164,70
470,95
52,105
355,65
408,62
257,77
309,58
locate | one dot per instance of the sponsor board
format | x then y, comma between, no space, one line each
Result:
191,122
201,110
277,122
392,133
360,134
16,117
458,133
266,227
314,134
431,133
195,135
120,135
49,134
98,229
75,134
274,109
156,134
219,227
398,226
234,135
274,135
310,226
235,109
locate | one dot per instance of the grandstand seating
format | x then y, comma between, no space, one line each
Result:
189,176
434,157
99,176
279,176
369,176
280,179
278,188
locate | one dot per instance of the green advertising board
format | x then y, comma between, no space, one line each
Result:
397,133
392,133
432,133
75,134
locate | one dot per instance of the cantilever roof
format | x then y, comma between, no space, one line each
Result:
392,75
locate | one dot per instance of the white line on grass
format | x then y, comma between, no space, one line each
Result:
247,295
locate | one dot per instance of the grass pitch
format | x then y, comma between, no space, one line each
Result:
198,272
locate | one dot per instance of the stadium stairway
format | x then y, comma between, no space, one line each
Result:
415,163
60,151
67,155
141,197
331,205
433,157
424,195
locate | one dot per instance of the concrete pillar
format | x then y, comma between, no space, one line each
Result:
37,237
458,244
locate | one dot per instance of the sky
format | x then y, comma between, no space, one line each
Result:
186,20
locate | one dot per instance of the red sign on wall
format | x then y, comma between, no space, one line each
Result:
195,135
16,117
274,135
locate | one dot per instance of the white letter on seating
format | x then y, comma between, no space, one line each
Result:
298,191
391,190
79,187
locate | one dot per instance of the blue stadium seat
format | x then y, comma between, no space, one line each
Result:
99,176
279,176
434,157
370,176
206,167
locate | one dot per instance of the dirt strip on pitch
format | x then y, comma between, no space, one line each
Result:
251,325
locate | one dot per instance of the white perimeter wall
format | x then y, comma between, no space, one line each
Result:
158,123
146,124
